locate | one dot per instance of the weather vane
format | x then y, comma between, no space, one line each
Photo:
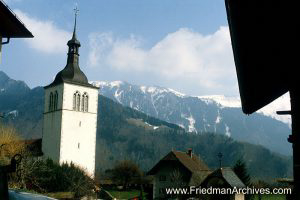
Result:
76,10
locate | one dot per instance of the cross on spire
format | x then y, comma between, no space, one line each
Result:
76,11
220,156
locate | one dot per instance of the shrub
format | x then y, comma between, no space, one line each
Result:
46,176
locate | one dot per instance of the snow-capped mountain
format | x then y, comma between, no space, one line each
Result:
9,85
282,103
217,114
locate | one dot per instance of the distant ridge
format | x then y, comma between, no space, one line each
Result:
126,133
216,113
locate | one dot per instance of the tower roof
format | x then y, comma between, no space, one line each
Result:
72,72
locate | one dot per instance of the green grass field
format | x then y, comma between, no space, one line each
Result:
125,194
61,195
271,197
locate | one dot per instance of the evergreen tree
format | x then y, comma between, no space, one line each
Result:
241,171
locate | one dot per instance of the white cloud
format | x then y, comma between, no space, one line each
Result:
204,61
280,104
99,44
48,38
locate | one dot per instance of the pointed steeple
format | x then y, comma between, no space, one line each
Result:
75,25
72,73
74,44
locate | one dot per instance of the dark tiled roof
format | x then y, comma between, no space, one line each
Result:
198,177
71,74
229,176
193,164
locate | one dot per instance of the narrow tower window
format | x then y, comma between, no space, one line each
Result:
51,102
55,100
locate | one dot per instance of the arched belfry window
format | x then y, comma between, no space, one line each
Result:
51,101
82,103
86,108
85,102
76,101
55,100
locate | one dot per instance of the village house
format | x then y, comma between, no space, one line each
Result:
223,178
176,170
184,169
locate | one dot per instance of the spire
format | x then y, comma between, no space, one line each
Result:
74,31
72,73
74,42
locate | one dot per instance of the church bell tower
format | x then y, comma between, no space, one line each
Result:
70,114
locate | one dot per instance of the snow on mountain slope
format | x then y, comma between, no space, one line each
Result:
107,84
215,114
233,102
282,103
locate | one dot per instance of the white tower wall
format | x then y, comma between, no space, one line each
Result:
78,131
70,135
52,125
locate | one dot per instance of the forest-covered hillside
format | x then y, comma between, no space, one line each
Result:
125,133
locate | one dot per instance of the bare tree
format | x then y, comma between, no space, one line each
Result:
124,172
10,144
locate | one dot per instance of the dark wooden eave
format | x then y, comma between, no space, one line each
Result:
10,25
265,42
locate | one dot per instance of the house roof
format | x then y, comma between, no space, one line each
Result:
198,177
192,163
228,175
11,26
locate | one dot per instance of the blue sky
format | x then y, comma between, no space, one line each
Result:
179,44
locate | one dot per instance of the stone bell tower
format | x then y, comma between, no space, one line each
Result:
70,114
